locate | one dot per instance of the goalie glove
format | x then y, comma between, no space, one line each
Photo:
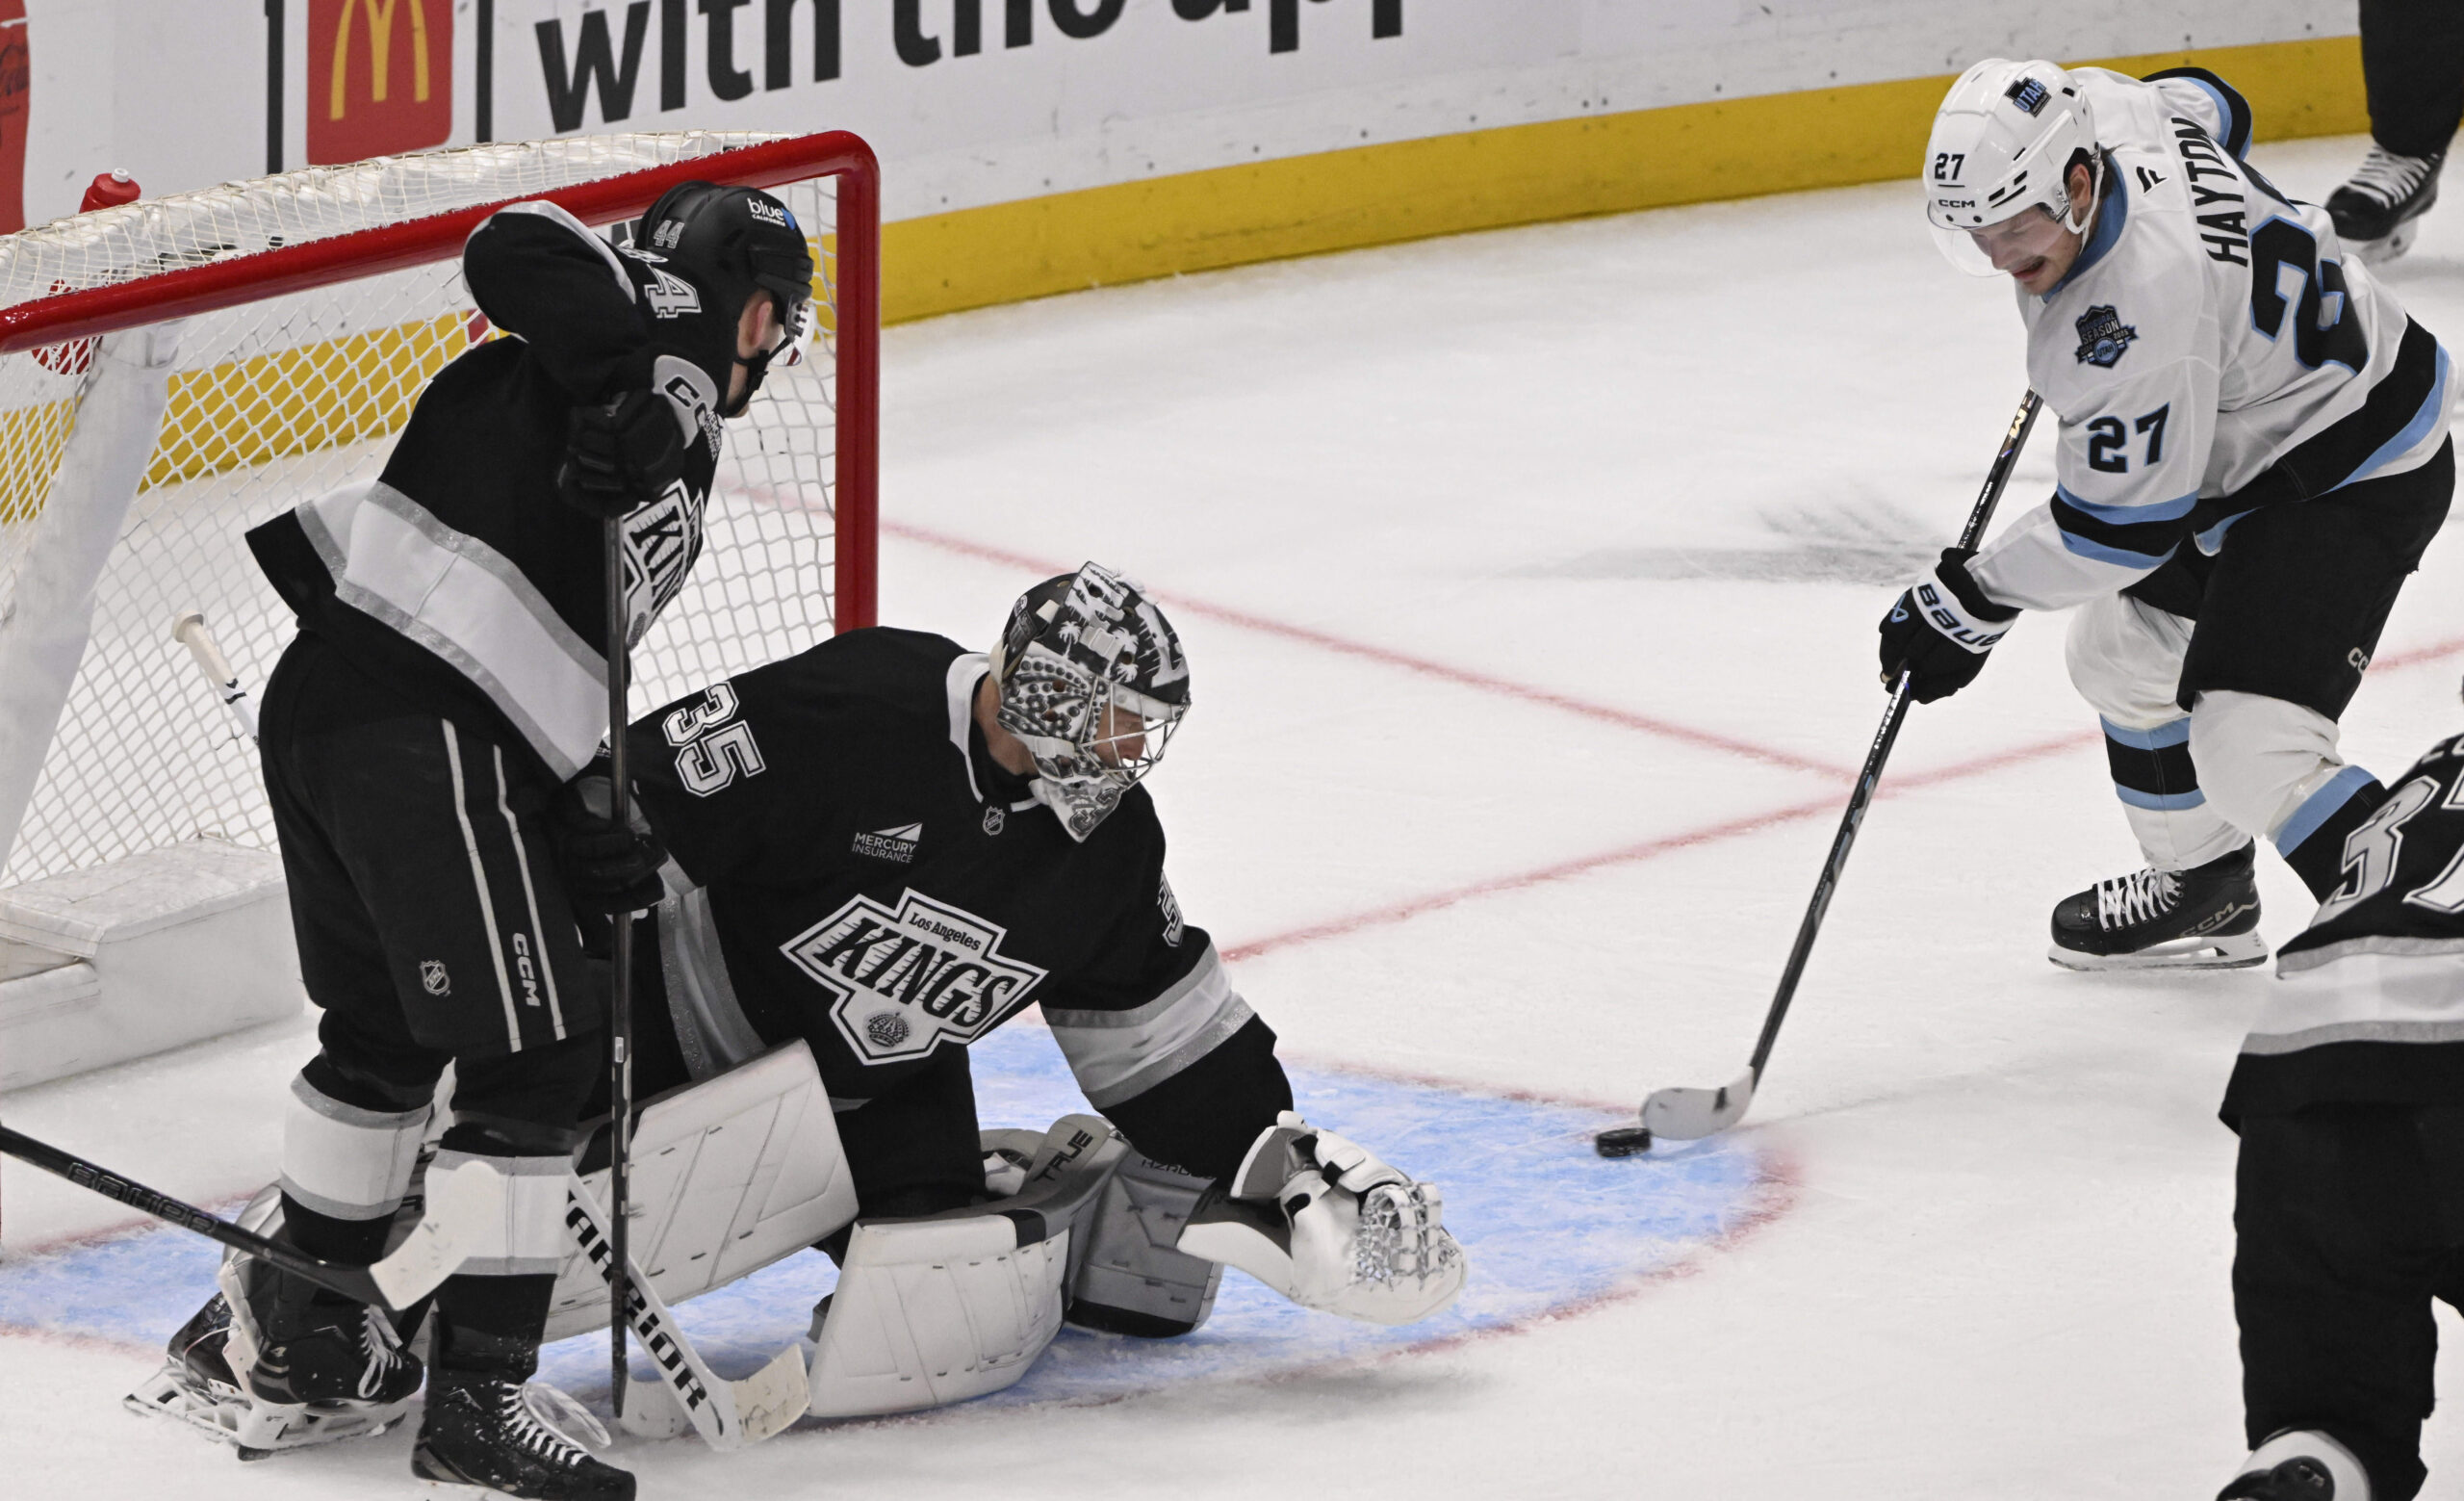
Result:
1940,628
1322,1221
620,455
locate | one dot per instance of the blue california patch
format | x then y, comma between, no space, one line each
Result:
1549,1228
2103,337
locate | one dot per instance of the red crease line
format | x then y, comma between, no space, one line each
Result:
1626,719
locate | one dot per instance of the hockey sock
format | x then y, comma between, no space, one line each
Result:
2152,767
346,1158
2312,840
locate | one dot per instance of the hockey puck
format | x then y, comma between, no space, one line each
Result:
1624,1141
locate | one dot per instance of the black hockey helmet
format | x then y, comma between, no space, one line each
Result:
729,244
1092,679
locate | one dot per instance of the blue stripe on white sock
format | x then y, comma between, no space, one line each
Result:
2160,802
2173,731
2319,807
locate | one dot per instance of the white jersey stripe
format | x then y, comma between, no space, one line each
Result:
531,898
480,883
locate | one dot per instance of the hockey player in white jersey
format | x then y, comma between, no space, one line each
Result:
2252,454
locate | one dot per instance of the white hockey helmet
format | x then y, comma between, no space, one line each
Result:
2003,141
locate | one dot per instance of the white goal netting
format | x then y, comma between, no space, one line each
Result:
281,398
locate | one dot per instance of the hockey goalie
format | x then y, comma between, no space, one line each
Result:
851,865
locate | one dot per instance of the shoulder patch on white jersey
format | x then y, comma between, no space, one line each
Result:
2103,337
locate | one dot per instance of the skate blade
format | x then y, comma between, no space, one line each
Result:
2240,951
255,1429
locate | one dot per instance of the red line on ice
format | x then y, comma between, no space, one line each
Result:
1708,739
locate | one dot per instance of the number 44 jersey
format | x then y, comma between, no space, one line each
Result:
2368,1005
2212,351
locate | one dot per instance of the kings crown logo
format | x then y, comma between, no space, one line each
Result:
2103,337
904,979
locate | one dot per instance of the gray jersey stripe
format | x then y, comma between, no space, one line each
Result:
1117,1054
531,900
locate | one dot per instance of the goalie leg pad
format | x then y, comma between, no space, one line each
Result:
947,1306
1129,1279
729,1176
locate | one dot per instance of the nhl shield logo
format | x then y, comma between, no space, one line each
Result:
901,980
433,980
2103,337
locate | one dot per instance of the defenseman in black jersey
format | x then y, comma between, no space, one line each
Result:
888,845
2348,1096
449,675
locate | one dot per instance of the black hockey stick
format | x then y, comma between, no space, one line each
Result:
395,1284
620,987
1686,1114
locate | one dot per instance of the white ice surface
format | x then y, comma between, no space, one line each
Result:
1660,465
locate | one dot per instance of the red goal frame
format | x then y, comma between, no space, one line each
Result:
72,316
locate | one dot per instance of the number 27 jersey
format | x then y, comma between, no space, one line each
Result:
2212,351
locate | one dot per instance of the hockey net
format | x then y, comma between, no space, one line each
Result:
316,306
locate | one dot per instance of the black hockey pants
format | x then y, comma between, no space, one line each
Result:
2348,1220
432,929
2412,61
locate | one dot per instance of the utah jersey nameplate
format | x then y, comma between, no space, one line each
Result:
904,980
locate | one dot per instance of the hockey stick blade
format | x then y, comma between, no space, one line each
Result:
728,1415
395,1284
1692,1114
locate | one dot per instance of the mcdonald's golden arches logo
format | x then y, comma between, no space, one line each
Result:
380,77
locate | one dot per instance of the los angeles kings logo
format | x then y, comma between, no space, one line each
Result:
904,979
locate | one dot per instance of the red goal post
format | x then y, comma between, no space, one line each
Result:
317,304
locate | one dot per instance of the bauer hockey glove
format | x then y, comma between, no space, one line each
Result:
607,869
620,455
1322,1221
1940,628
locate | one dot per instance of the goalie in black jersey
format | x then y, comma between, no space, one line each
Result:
448,677
887,846
2349,1209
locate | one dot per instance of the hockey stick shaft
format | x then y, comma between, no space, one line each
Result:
190,631
355,1283
1869,777
620,987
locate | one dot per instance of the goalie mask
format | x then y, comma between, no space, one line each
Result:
710,250
1092,679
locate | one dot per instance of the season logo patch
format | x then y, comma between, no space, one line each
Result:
2103,337
904,979
897,844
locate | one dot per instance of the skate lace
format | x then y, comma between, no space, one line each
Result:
383,1349
2135,897
522,1427
2390,178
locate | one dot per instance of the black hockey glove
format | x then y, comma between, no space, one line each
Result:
1941,630
620,455
607,869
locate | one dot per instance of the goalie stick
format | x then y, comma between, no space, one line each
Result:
1688,1114
459,1200
728,1415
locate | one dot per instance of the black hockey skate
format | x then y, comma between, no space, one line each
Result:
2206,917
205,1383
314,1347
482,1432
2378,209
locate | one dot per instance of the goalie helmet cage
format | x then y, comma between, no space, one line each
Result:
309,310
